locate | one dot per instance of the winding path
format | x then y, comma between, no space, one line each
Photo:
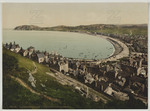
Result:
30,89
33,91
35,70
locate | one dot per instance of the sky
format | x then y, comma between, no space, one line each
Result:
73,14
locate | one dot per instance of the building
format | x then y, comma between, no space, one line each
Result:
101,85
23,52
88,78
112,90
14,47
63,67
40,57
46,57
7,46
30,51
17,49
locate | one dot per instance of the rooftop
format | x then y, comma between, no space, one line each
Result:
40,55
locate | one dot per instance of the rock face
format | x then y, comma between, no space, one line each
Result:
27,27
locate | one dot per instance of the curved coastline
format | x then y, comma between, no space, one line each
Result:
121,50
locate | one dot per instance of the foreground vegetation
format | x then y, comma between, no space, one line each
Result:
17,96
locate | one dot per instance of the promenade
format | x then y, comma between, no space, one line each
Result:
121,50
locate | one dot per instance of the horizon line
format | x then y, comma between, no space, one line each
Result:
73,25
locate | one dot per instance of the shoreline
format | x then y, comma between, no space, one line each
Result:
121,50
117,48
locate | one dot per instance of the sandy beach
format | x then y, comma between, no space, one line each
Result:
121,50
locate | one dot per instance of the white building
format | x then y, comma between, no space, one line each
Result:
63,66
117,94
24,52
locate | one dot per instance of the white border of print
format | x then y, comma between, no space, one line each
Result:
60,1
68,1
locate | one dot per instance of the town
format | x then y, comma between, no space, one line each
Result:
120,79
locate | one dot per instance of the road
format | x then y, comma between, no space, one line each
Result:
115,56
65,80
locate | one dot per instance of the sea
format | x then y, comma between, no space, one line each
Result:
68,44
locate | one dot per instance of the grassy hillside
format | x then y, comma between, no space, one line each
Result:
16,95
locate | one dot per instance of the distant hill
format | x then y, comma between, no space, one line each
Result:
27,27
140,29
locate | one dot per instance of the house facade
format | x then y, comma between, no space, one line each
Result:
63,67
40,57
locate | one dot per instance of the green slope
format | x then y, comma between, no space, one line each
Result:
17,96
20,97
